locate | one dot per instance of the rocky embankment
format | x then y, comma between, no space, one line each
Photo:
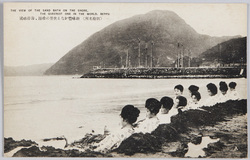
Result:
225,124
167,72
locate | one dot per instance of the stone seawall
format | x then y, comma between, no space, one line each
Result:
158,73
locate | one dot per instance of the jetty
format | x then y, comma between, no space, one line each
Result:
168,72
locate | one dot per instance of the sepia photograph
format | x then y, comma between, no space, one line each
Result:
125,80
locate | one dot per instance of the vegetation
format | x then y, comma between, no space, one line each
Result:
162,32
230,52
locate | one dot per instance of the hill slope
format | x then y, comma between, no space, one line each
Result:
231,51
109,47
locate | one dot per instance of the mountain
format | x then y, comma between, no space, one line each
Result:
30,70
230,52
108,47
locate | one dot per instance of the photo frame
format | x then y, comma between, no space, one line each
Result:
103,57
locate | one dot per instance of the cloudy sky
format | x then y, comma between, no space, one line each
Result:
29,42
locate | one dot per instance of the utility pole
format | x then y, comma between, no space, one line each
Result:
127,58
182,62
181,56
129,62
220,55
139,53
178,63
189,58
146,55
121,61
151,60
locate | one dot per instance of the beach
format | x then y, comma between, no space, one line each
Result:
72,107
193,133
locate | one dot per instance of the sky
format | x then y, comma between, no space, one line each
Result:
28,42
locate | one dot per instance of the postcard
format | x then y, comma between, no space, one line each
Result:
134,80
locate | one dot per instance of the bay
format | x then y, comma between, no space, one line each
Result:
38,107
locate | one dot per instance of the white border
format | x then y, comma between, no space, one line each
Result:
109,1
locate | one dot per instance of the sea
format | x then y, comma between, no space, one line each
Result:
39,107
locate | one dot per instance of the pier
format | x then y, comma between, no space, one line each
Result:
167,72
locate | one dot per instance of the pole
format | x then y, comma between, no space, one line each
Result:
182,65
151,64
189,62
178,55
220,55
121,61
139,54
129,63
127,60
146,55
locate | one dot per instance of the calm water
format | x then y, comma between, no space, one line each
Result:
52,106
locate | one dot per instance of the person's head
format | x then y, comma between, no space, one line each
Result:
193,88
166,104
223,87
212,89
197,139
181,101
232,85
196,96
153,107
178,89
129,114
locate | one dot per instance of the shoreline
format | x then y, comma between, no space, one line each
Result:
169,139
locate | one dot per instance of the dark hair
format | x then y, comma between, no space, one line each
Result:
212,87
182,101
223,86
130,113
197,95
180,87
153,105
193,88
197,139
232,85
167,102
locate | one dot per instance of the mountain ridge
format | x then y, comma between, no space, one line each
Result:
109,46
231,51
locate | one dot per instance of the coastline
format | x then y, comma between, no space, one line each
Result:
169,139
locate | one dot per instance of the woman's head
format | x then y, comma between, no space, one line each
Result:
193,88
232,85
166,103
223,87
130,113
178,89
196,96
153,106
181,101
212,89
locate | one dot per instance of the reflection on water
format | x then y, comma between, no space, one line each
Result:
197,150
